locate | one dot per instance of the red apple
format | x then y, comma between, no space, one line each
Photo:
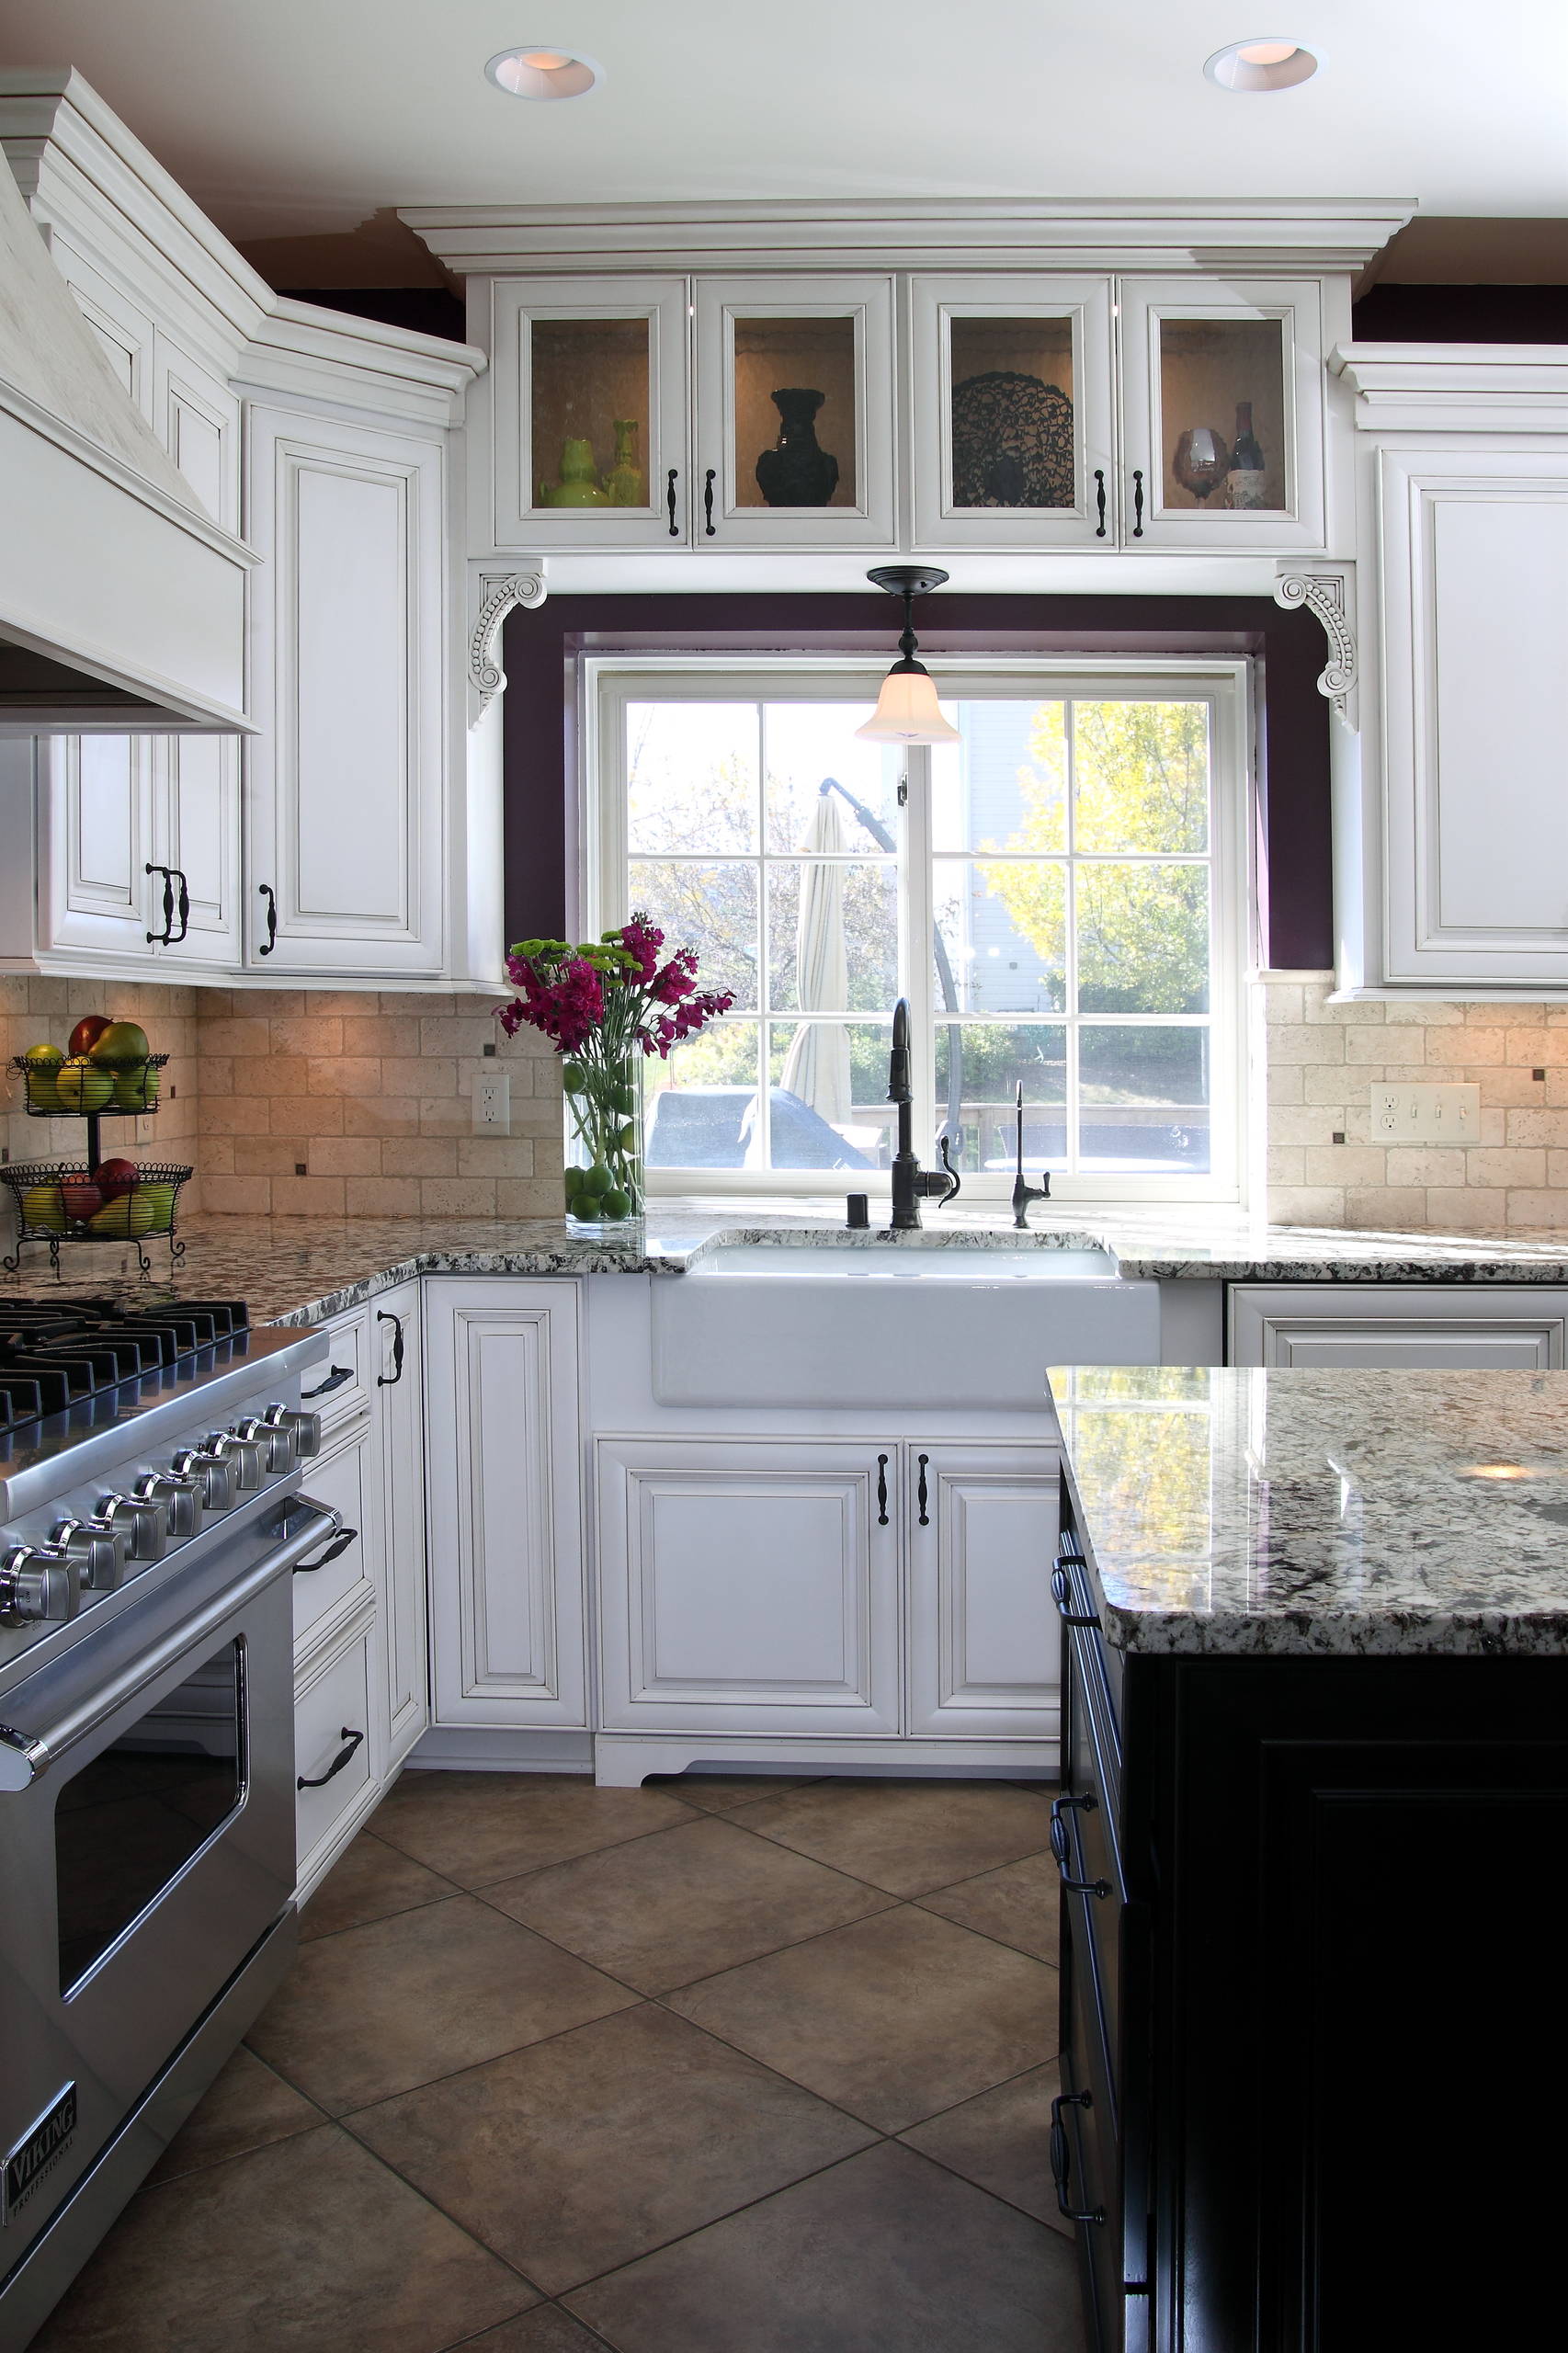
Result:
113,1178
82,1199
87,1033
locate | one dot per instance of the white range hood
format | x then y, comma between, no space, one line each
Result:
122,605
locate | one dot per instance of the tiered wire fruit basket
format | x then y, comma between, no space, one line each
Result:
62,1202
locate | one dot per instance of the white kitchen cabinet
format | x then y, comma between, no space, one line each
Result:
196,835
796,361
749,1585
344,1480
1018,372
398,1414
1201,359
337,1768
983,1635
577,361
94,816
1436,1327
345,803
507,1568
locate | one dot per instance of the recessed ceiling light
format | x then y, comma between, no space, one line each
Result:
537,69
1267,62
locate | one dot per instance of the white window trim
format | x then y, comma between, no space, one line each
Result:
610,681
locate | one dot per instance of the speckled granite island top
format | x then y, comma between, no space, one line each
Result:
1345,1514
299,1269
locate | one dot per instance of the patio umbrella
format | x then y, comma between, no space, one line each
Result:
817,1065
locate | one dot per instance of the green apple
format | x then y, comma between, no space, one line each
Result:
160,1202
136,1090
82,1086
43,1073
43,1210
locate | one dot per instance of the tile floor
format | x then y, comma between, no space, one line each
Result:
711,2066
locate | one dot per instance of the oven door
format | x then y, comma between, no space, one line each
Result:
149,1850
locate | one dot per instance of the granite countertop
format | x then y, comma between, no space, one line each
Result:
299,1269
1322,1514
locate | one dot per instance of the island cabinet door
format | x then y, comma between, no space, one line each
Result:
985,1637
505,1514
748,1586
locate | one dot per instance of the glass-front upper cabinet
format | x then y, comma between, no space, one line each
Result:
590,407
793,445
1223,414
1013,412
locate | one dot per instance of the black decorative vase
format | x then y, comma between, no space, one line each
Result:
798,471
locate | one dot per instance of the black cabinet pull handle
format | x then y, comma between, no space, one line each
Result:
390,1379
1062,1593
1100,1887
335,1379
183,908
1062,2162
1136,502
920,1491
340,1543
1099,499
670,500
881,1491
155,939
270,895
351,1740
708,500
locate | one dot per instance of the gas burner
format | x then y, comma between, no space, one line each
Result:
56,1353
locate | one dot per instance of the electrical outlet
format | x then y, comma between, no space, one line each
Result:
492,1103
1438,1114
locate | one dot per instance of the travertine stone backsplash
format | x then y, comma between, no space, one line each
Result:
1322,1060
37,1012
372,1096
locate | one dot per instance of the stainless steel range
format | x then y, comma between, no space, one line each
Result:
149,1471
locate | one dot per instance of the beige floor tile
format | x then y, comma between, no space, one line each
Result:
245,2107
310,2247
893,2018
580,2153
908,1836
1001,2141
371,1882
398,2002
477,1827
885,2253
660,1911
1020,1906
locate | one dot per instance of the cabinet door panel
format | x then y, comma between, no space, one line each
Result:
399,1426
1411,1326
747,1586
984,1635
197,827
506,1565
94,842
346,798
1474,549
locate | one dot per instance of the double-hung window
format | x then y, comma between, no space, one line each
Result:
1060,895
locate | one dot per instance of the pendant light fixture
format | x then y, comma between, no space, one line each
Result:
907,711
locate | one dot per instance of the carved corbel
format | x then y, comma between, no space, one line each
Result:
498,592
1327,595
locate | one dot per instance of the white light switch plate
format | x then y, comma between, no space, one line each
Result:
492,1103
1445,1114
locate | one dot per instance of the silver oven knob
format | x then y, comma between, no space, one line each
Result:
277,1443
97,1551
37,1584
141,1522
214,1478
246,1457
305,1427
180,1498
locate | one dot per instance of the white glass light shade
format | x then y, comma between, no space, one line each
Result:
907,711
539,70
1267,62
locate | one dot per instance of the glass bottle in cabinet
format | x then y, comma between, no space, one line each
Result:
1223,406
794,413
591,389
1013,412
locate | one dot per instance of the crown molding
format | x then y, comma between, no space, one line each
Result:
1462,387
1143,234
356,364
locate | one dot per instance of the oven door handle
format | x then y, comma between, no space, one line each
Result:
25,1755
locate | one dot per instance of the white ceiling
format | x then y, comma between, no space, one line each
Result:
291,118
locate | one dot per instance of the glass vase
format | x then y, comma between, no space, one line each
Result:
604,1143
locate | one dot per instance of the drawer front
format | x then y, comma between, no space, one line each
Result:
1084,2159
337,1389
340,1481
331,1707
1091,1875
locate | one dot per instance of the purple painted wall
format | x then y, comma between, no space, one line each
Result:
542,649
